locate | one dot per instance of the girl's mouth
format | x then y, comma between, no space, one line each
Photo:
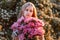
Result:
27,15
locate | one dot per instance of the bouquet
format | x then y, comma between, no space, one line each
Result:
28,28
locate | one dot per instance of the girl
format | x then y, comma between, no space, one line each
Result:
28,26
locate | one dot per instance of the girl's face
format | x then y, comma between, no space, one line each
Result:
28,11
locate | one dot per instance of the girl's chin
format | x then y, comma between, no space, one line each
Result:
27,16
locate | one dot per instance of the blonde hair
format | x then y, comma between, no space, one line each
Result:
24,7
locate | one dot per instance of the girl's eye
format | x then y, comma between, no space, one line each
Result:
30,10
26,9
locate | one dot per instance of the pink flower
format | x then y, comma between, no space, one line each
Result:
41,30
29,30
38,24
38,20
15,25
25,31
27,26
32,32
21,36
22,27
29,36
20,19
31,24
41,21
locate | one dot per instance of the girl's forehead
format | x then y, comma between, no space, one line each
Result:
29,6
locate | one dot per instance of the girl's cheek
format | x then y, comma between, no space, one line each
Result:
31,14
25,13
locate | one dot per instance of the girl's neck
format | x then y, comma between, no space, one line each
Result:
26,17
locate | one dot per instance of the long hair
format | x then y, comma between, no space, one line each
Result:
24,7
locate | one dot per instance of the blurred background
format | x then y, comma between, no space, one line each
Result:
48,10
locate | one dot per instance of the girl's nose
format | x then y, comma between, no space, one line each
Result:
28,12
